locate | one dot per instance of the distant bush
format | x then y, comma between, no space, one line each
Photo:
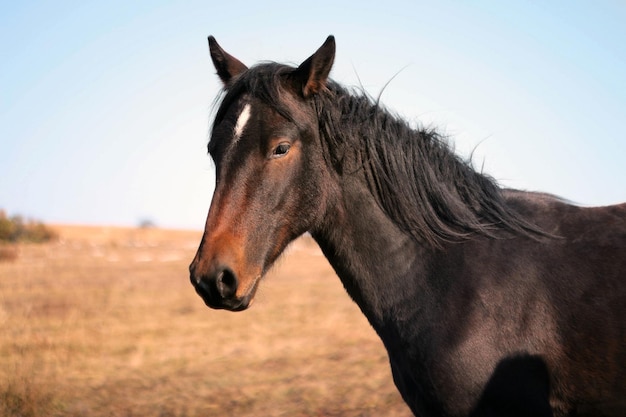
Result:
16,229
146,224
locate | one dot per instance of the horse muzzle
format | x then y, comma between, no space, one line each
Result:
221,289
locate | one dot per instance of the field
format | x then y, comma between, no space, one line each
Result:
104,322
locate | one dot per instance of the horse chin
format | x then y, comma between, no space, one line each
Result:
230,305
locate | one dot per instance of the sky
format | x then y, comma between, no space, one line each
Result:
105,107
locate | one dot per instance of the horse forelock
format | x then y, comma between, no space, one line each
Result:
265,82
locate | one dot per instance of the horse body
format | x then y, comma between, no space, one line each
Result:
488,301
449,317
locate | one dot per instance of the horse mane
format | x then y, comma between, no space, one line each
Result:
416,178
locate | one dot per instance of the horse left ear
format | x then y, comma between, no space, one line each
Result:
227,66
312,74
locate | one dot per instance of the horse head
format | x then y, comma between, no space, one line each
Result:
270,185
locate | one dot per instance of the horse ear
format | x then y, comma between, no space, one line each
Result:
227,66
312,74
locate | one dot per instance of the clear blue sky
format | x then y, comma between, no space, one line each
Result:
105,106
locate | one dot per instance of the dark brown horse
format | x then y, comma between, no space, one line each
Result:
490,302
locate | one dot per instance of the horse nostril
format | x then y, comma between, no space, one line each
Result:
226,283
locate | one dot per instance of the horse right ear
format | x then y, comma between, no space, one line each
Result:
312,74
227,66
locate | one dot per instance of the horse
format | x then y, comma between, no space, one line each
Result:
489,301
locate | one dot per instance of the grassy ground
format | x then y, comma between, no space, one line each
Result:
104,322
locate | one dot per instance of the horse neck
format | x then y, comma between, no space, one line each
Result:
378,264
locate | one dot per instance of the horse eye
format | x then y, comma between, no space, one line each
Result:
281,150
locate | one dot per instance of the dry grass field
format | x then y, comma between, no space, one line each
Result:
104,322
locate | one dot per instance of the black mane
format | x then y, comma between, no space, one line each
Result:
424,187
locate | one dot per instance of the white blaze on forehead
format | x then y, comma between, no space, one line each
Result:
242,120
